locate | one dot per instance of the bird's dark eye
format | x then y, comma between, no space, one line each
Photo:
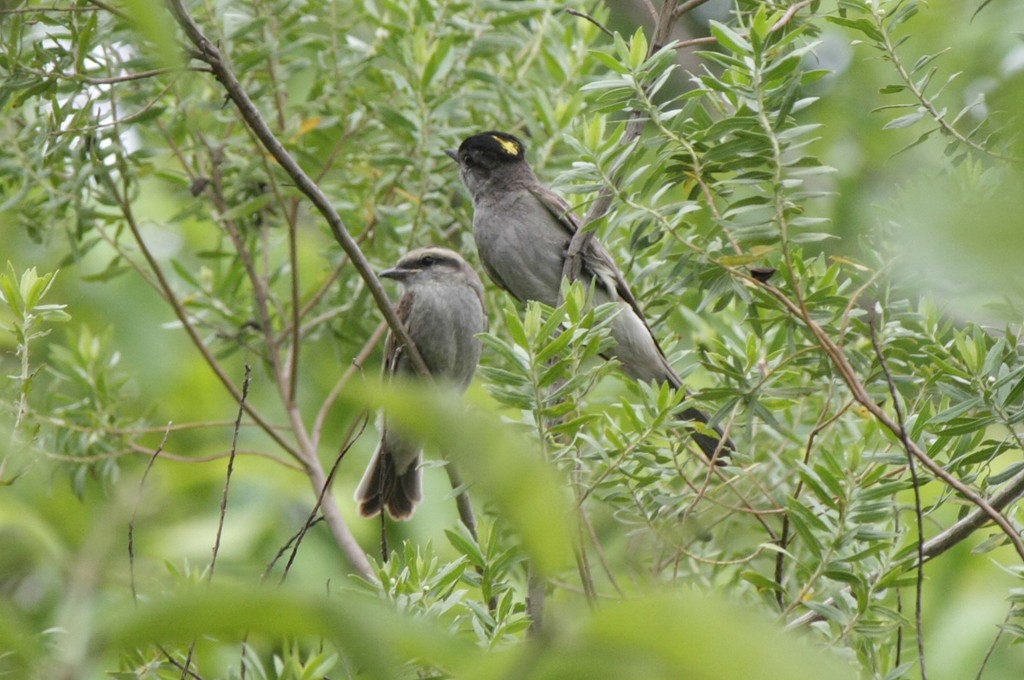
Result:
428,260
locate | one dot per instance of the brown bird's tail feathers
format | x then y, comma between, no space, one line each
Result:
383,486
717,449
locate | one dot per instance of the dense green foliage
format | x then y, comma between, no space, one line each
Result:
189,354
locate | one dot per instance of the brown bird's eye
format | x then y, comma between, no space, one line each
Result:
428,261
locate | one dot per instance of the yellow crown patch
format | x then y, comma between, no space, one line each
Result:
510,147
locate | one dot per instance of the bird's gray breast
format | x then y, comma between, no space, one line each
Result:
521,245
444,322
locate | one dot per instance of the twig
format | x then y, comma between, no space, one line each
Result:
780,556
692,42
580,552
992,648
584,15
231,467
306,526
185,670
113,10
462,501
595,541
686,7
905,440
178,458
135,512
350,438
44,10
790,13
293,263
116,121
356,365
112,80
339,528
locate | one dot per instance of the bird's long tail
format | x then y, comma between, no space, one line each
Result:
717,449
383,486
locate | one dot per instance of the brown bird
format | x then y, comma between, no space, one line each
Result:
443,309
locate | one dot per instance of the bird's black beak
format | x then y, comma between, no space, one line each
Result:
396,273
453,154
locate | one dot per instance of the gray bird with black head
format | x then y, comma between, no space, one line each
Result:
443,308
522,231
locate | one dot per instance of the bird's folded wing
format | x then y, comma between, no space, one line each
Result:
394,352
597,261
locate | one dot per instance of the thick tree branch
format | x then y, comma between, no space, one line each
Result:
207,52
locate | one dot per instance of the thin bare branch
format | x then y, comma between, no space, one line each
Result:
135,512
462,501
354,432
790,13
110,8
686,7
46,10
693,42
357,365
584,15
114,80
230,470
117,121
918,513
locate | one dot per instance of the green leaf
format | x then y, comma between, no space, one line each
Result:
956,410
904,121
861,25
440,63
637,49
729,39
248,207
610,62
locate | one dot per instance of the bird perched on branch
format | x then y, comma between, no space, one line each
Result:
443,308
523,231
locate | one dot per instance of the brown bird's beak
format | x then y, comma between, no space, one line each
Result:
453,154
